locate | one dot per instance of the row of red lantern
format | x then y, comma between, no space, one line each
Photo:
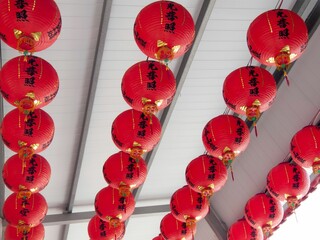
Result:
250,91
224,137
275,38
28,83
147,86
288,181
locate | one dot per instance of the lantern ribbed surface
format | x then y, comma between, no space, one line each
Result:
164,30
188,205
247,86
34,130
132,128
121,169
305,147
288,180
26,175
262,211
110,205
102,230
35,233
25,211
225,132
37,24
172,229
29,76
148,82
241,230
276,32
206,173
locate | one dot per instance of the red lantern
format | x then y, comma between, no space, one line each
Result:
29,26
160,237
289,182
277,37
263,211
27,134
249,91
135,133
172,229
164,30
110,206
148,86
124,173
35,233
206,174
102,230
225,137
305,150
30,175
188,206
241,230
22,212
28,82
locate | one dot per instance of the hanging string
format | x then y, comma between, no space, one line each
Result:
250,62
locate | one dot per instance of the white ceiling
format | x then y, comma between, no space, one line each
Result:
96,47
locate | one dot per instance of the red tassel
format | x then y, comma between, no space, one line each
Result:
287,79
231,173
256,130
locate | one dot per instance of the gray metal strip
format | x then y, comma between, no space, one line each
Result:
216,224
106,10
82,217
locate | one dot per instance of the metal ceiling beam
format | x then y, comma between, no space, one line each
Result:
82,217
104,21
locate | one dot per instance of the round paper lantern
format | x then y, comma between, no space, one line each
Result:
29,26
24,233
225,136
249,91
305,150
27,134
288,182
164,30
206,174
172,229
263,211
102,230
135,133
123,172
148,86
110,206
28,82
277,37
241,230
25,212
188,206
26,176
